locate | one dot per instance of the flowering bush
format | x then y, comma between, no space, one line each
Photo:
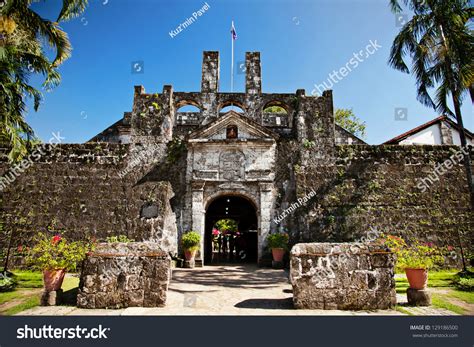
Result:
191,241
57,253
416,255
278,240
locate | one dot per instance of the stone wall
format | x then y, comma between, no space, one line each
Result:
84,191
342,276
120,275
378,187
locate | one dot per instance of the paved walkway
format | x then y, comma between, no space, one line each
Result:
221,290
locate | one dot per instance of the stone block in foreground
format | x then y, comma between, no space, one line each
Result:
342,276
118,275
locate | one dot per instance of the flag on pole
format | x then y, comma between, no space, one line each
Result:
234,37
233,32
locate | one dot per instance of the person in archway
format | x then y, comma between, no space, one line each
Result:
231,247
224,244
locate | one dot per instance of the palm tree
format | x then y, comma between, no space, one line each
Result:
441,46
22,33
22,36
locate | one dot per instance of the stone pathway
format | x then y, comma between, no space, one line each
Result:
222,290
23,294
453,300
422,311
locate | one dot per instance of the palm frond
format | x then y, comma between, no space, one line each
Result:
72,9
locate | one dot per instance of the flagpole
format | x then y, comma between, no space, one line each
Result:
232,64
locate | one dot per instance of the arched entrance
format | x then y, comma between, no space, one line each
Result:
233,246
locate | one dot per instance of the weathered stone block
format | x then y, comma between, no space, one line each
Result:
128,274
52,298
343,277
418,297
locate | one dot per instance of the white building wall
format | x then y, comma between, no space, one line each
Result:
457,138
428,136
432,136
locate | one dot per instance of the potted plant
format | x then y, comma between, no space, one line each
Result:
278,242
54,256
415,259
190,242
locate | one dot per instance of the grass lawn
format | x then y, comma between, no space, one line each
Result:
444,291
28,290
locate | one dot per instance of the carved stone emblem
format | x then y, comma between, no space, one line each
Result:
232,166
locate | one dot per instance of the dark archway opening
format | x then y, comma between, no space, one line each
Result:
231,246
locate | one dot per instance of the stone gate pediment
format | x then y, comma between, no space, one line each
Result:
234,124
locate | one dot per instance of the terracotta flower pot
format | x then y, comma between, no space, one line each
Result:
53,279
278,254
417,278
189,254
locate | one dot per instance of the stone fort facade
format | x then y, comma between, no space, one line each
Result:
159,172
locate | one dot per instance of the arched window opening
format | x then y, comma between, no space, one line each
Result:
234,108
188,114
275,109
275,114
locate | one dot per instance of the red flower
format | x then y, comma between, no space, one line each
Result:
215,232
450,248
20,249
55,240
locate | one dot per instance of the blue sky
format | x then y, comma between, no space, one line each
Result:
301,42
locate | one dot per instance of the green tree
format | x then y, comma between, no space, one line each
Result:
274,109
227,225
441,47
25,37
350,122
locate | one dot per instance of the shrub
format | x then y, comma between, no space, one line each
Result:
191,241
119,238
465,284
416,255
56,253
7,282
278,240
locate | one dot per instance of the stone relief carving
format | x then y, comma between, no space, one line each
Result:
232,165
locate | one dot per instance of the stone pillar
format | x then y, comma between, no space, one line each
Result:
167,112
52,298
198,213
210,72
418,297
300,116
266,201
209,86
253,77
